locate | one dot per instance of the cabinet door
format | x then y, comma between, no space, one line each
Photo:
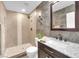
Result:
42,52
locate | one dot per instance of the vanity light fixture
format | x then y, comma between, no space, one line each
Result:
40,15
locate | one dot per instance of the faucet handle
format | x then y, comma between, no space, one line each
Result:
55,37
65,39
60,36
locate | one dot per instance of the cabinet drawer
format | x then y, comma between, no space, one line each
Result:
51,53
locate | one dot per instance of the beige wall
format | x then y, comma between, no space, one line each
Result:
11,29
18,29
17,25
33,27
2,21
25,30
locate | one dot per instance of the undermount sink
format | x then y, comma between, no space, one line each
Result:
55,42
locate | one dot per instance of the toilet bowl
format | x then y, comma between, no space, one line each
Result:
31,52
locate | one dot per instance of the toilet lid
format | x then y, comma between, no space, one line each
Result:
31,49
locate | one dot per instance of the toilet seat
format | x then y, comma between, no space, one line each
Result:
31,52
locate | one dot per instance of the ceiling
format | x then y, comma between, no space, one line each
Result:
21,6
62,4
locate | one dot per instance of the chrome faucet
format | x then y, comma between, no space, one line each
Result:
60,37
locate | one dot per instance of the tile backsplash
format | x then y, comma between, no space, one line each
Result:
70,36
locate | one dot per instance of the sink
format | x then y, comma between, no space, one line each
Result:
55,42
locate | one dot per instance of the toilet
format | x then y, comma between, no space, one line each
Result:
31,52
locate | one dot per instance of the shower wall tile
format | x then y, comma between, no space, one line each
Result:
11,29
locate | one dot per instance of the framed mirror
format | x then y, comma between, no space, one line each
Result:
63,15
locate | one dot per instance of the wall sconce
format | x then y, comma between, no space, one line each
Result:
40,18
39,13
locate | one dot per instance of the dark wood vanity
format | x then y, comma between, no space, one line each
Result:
45,51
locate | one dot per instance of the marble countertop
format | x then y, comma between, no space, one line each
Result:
68,48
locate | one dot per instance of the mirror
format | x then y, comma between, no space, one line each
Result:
63,15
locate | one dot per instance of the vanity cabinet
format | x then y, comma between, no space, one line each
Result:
45,51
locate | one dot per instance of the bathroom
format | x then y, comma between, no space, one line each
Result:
25,25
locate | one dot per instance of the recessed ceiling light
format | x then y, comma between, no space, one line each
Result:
23,10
